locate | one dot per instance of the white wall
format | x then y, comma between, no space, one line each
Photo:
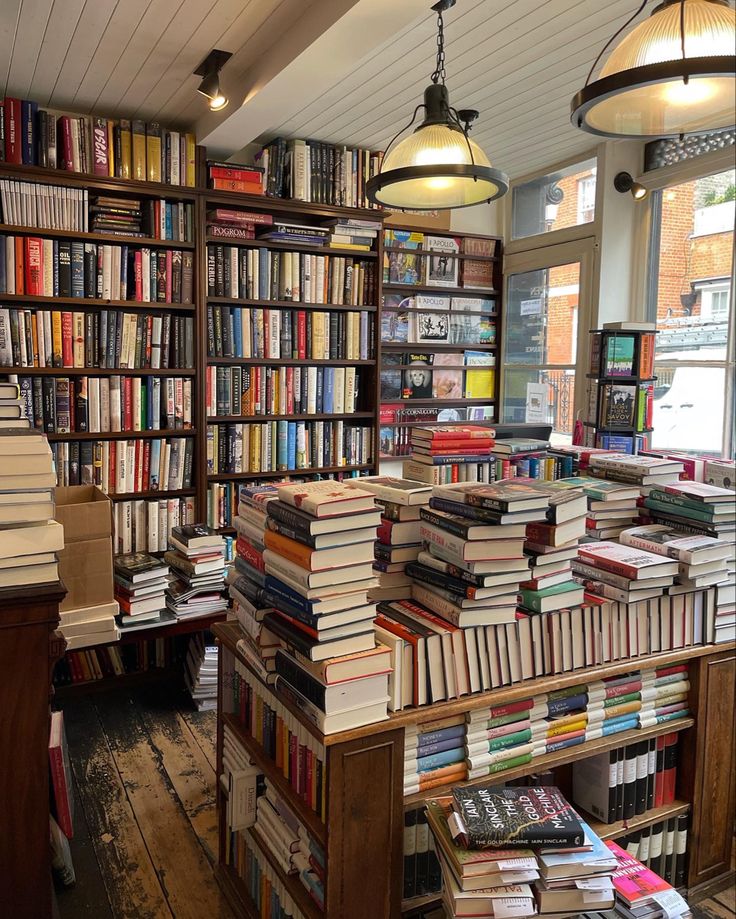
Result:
483,218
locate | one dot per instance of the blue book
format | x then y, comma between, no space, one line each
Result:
563,744
328,394
437,760
282,444
568,704
291,447
599,852
169,229
154,462
124,269
237,332
618,726
283,591
28,131
439,746
673,716
78,270
263,271
432,737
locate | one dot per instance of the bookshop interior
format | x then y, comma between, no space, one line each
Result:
367,480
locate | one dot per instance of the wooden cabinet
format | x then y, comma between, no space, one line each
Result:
27,620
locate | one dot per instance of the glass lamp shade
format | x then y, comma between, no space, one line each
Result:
642,90
432,169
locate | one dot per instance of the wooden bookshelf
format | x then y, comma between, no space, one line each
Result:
122,435
291,304
363,831
401,405
144,242
94,303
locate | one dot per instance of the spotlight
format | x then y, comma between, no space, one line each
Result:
210,69
623,182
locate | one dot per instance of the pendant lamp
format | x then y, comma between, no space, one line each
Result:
438,166
674,74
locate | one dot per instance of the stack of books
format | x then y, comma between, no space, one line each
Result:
200,674
644,471
197,558
664,695
119,216
724,624
235,177
286,231
445,454
549,544
318,565
642,893
140,591
227,223
434,754
524,457
695,507
504,736
399,542
661,847
623,573
29,537
353,233
612,506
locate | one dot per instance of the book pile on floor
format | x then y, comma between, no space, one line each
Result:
520,851
200,674
662,847
642,893
318,564
353,233
62,801
197,559
140,590
398,540
434,754
612,506
29,536
441,455
622,572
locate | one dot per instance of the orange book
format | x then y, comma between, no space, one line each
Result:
289,548
444,771
457,776
19,265
249,188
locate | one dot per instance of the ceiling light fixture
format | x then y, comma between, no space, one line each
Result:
623,182
438,166
210,86
673,74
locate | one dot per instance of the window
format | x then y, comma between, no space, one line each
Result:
560,199
690,297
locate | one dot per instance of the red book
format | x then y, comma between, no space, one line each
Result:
669,774
290,390
241,172
169,274
461,434
301,334
11,115
675,668
523,705
67,340
250,554
61,775
246,231
127,392
137,467
32,257
248,188
227,215
146,465
64,135
111,473
138,275
19,266
101,165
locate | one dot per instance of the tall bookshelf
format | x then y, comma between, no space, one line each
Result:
361,823
364,417
454,324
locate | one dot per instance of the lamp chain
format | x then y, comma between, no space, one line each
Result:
439,70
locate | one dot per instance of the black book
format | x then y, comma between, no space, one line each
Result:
656,855
49,405
681,850
65,269
423,834
642,772
630,781
74,473
410,848
651,772
619,779
668,850
612,785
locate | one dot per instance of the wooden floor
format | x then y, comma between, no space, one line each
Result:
145,822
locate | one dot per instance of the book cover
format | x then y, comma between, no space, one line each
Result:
618,359
618,405
395,318
417,378
442,267
480,381
447,382
61,776
497,816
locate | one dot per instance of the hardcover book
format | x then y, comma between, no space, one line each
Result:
447,383
417,378
498,816
442,267
618,406
327,498
618,360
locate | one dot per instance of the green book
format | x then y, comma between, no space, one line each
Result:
667,507
510,763
541,601
510,740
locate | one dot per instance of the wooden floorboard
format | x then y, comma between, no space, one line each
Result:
203,727
173,846
133,887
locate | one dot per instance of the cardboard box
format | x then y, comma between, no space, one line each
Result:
85,563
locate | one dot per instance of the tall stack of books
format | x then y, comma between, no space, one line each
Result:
122,216
724,624
551,542
29,536
642,893
504,736
695,507
399,542
318,577
287,231
612,506
434,754
646,472
235,177
353,233
200,674
664,695
523,457
226,223
197,558
623,573
458,453
140,591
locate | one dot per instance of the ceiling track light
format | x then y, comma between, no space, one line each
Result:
623,182
438,166
673,74
210,69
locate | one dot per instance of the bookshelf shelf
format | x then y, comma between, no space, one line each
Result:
415,424
290,246
391,308
134,495
97,371
123,681
147,242
180,627
636,823
99,183
550,760
308,817
288,206
454,291
418,345
290,881
416,904
288,362
237,419
89,303
443,403
312,470
292,304
458,255
121,435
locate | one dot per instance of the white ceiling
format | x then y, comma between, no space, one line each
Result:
518,62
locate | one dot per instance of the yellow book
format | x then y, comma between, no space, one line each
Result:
318,336
350,246
56,338
153,152
110,147
139,151
191,148
78,341
568,726
625,708
125,166
480,381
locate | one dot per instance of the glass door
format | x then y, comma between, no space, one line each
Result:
545,336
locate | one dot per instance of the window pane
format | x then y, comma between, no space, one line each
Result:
688,408
565,198
541,397
693,272
541,321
